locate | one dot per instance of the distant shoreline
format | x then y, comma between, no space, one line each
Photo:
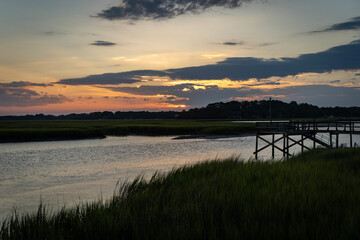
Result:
213,136
34,131
174,137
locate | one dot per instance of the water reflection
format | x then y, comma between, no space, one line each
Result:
64,172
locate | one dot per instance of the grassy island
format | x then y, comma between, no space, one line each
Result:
22,131
314,195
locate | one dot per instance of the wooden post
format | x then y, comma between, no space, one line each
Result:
287,146
331,142
256,146
284,147
302,143
337,140
314,144
351,142
273,146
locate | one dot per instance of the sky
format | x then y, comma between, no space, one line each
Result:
61,57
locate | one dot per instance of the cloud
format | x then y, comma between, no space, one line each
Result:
267,44
193,97
22,97
53,33
233,43
135,10
103,43
22,84
353,24
321,95
171,98
112,78
335,81
342,57
264,83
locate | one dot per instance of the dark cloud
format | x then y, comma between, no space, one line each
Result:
265,83
24,84
353,24
171,98
111,78
342,57
103,43
335,81
127,98
135,10
357,74
53,33
267,44
233,43
22,97
193,97
321,95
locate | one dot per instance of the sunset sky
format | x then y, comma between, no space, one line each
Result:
60,57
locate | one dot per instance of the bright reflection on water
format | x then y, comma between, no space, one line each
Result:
68,172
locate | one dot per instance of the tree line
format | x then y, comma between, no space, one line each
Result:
219,110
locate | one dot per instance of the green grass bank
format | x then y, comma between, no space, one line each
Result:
22,131
314,195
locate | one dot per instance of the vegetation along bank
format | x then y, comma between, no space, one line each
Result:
314,195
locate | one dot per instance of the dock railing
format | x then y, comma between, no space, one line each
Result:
283,131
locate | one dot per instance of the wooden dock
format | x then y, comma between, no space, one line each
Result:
325,134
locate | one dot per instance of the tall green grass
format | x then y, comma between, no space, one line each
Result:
314,195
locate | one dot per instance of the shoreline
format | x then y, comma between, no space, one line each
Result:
173,137
209,136
31,131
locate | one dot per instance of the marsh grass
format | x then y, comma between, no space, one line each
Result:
314,195
14,131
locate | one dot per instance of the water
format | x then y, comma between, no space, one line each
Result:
68,172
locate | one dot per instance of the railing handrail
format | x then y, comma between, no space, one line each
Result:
344,126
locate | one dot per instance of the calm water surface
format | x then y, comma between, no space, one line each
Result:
68,172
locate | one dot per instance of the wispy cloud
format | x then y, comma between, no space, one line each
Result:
233,43
352,24
22,84
267,44
211,55
112,78
135,10
193,96
22,97
103,43
53,33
